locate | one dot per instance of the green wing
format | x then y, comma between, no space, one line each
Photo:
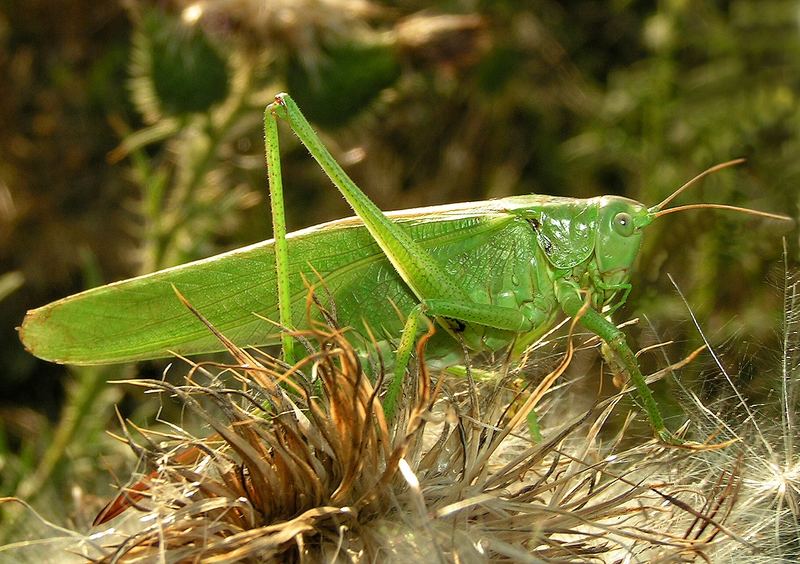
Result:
142,318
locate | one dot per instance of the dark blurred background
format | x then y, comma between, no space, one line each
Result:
131,140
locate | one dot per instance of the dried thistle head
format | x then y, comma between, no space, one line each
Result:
303,465
285,461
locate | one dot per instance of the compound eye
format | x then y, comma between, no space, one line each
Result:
623,224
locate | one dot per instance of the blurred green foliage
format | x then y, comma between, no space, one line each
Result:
187,73
134,135
348,79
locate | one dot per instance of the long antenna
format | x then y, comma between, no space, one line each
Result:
721,207
703,174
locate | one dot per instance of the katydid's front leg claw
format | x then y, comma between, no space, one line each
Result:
667,438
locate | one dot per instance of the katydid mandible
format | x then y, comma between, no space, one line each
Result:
490,273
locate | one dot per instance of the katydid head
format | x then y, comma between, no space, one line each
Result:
619,236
